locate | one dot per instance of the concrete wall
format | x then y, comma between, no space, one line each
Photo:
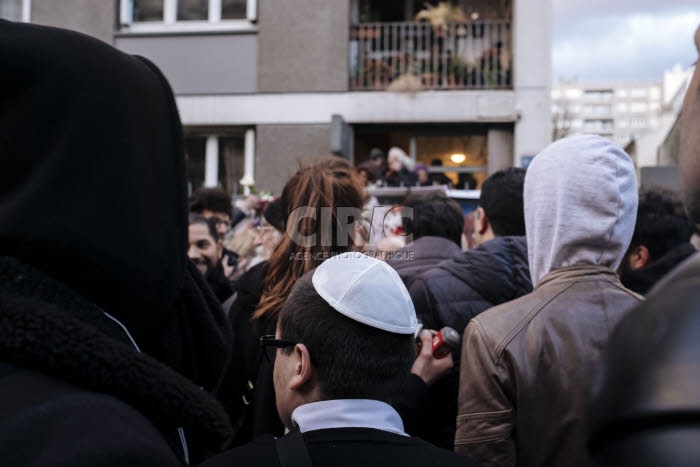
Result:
95,18
202,63
278,147
303,45
532,70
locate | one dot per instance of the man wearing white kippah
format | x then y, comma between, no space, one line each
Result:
343,348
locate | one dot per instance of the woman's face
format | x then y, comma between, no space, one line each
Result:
395,163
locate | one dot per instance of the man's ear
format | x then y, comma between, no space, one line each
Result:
639,257
481,221
303,371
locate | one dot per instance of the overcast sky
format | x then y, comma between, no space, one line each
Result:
622,40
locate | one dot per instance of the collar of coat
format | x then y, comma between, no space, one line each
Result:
48,328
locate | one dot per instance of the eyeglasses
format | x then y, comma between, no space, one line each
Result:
270,345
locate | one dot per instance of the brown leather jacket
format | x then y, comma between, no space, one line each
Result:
528,365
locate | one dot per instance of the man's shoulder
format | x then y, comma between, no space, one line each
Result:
259,452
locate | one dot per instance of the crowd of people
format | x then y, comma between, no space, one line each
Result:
142,328
396,169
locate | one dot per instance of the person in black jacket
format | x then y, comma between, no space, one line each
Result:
435,224
339,362
111,346
456,290
660,242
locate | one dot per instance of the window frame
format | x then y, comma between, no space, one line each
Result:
26,13
170,24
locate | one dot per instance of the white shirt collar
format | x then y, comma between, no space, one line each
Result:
348,413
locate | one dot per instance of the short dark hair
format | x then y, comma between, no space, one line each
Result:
274,214
211,199
502,200
210,223
376,153
436,215
662,223
353,360
369,169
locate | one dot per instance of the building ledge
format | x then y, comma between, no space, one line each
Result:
354,107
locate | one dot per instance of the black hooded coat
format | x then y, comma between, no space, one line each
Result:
93,266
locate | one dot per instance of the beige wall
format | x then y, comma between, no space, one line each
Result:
303,45
96,18
279,147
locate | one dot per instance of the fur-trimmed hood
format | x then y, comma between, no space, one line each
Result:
46,327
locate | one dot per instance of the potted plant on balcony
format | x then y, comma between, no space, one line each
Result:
438,16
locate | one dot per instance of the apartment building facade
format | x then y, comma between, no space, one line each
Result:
261,84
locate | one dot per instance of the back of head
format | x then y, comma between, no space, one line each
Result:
313,202
661,222
210,199
646,408
435,215
274,215
94,187
502,200
353,360
580,205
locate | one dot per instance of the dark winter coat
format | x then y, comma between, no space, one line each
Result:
76,390
351,447
93,220
254,390
453,293
457,290
422,255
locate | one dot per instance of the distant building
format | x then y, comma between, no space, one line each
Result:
638,116
260,83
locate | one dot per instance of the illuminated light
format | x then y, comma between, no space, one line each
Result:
475,16
458,158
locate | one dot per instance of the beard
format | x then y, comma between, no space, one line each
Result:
204,266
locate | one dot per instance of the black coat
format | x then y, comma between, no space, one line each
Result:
93,220
75,389
254,390
453,293
422,255
351,447
456,290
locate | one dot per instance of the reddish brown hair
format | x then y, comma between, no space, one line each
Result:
330,182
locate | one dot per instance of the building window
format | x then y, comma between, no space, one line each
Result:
15,10
220,161
186,12
639,107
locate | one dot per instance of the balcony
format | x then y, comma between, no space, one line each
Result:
412,56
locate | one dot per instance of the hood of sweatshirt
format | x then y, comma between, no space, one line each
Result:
580,205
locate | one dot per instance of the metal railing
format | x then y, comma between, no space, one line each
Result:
412,56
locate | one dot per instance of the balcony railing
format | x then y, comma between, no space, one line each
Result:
412,56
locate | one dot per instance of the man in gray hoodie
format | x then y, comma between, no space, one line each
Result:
527,365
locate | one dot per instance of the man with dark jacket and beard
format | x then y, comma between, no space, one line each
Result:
204,251
458,289
111,346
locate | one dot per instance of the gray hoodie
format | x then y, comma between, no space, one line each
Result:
580,205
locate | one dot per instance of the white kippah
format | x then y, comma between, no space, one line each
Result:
366,290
